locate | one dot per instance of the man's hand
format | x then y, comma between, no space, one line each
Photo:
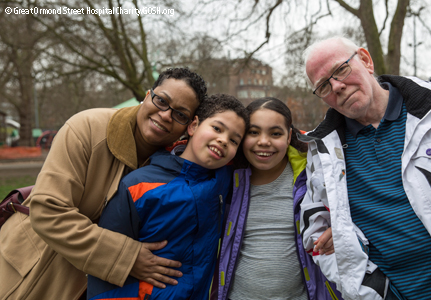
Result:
153,269
324,244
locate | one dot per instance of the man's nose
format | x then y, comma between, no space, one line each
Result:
337,85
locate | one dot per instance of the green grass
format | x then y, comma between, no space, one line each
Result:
8,184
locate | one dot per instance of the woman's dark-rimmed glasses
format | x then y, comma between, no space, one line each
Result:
163,105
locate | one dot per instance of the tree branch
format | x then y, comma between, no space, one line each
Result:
267,33
386,17
348,7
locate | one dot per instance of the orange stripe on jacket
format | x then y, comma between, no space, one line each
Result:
145,289
138,190
129,298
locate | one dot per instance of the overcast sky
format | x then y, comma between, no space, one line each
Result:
287,19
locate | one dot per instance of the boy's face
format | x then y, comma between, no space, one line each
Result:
214,142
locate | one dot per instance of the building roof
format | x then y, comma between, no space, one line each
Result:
128,103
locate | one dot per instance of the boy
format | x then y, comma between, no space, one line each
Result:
179,199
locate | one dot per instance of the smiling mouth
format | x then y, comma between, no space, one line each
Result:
159,126
265,154
216,151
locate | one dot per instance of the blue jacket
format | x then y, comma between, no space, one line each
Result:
317,286
176,200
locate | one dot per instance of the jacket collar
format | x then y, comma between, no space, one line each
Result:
170,162
120,136
175,164
393,110
416,97
195,172
298,161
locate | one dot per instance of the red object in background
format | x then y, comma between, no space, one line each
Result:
44,141
19,152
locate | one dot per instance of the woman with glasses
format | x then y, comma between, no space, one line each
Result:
47,255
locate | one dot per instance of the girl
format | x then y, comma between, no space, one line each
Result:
262,256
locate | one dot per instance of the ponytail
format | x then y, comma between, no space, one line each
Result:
295,143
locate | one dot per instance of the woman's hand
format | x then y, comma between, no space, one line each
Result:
154,269
324,244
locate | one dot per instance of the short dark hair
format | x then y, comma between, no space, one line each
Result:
219,103
280,107
194,80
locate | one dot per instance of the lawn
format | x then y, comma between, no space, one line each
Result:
8,184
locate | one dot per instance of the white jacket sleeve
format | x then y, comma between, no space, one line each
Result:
326,205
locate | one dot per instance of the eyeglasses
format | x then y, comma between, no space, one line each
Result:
163,105
341,73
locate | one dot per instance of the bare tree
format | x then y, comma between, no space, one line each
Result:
104,40
20,37
365,13
255,27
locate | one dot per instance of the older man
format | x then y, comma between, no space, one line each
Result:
369,175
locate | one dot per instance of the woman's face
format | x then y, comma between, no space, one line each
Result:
157,127
265,143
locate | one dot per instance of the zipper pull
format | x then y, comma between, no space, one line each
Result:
220,212
221,203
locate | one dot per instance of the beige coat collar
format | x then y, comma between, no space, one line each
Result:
120,136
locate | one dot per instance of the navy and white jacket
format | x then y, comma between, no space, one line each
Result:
326,202
175,200
317,286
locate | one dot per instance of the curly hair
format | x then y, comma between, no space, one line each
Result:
219,103
194,80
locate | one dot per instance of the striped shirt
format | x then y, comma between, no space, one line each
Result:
399,242
268,265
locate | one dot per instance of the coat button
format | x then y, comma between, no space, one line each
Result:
429,151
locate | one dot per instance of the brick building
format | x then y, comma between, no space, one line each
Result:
251,80
246,80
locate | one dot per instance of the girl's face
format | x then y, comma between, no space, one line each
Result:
265,143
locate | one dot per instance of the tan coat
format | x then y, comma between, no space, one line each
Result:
81,173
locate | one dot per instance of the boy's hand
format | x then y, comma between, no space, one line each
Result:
324,244
154,269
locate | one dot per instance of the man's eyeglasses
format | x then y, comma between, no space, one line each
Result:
341,73
163,105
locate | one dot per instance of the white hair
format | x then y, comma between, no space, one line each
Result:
349,45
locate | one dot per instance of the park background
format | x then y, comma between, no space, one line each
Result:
55,63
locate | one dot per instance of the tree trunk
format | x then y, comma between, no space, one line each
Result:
24,67
395,34
366,15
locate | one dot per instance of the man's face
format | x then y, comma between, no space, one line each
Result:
157,127
353,96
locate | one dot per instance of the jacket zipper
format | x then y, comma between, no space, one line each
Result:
220,213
